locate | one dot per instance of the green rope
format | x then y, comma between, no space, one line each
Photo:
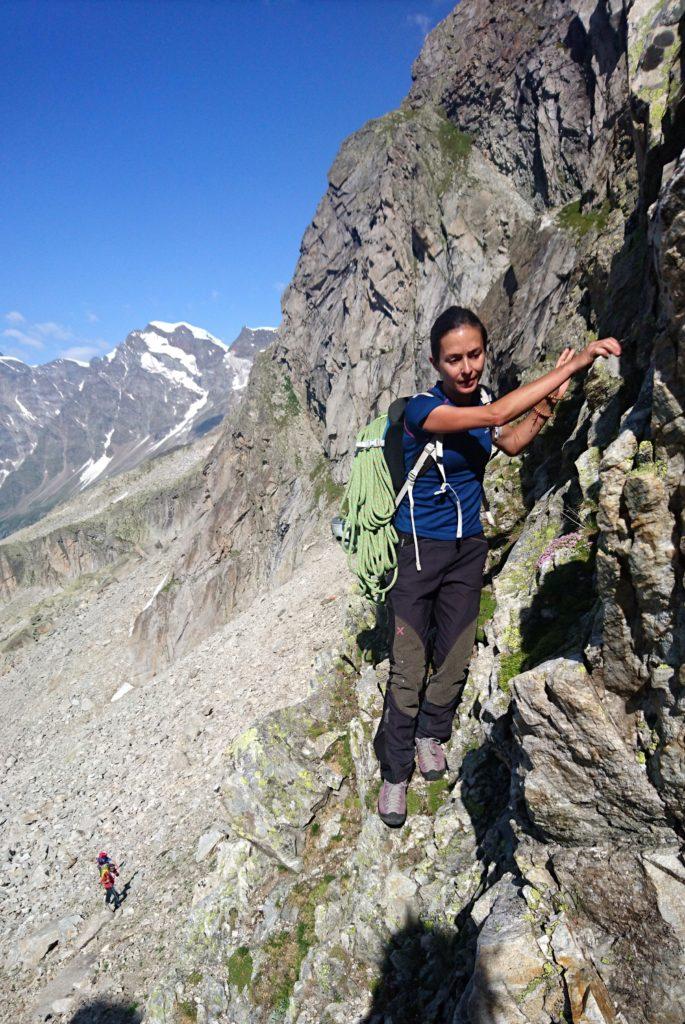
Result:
368,507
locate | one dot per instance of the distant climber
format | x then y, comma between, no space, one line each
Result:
108,874
442,550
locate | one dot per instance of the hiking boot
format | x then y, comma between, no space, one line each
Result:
432,763
392,803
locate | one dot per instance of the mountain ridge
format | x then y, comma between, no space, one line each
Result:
65,423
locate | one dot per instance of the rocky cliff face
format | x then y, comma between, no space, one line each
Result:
66,424
535,173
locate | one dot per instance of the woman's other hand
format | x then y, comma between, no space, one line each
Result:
559,392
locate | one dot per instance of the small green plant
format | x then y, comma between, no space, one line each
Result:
509,666
187,1012
194,978
455,144
572,218
413,802
486,611
436,794
240,968
324,484
341,753
287,950
292,402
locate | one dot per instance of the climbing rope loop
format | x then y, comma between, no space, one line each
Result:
368,507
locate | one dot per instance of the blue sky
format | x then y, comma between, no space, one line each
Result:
162,159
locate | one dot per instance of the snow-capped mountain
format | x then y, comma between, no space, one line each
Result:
65,424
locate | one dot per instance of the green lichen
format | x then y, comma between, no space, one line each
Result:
568,593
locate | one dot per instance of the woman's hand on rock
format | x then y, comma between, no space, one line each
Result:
605,347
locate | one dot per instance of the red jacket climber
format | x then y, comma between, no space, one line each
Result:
108,873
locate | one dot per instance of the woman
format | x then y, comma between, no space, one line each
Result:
442,548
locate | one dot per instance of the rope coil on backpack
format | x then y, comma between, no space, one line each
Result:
368,506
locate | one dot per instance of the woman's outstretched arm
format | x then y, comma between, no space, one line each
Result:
513,438
448,419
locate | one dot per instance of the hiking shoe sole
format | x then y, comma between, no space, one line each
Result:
392,820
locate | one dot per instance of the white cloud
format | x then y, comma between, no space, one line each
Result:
46,337
92,318
22,338
422,22
214,294
52,330
81,352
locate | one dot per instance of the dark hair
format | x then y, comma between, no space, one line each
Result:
455,316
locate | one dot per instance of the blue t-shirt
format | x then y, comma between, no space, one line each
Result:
465,457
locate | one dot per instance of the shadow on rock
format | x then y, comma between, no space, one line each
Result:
557,621
104,1012
374,640
423,975
123,895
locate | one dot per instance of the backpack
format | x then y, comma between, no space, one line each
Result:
377,485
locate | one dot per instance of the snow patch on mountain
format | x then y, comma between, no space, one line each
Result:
197,332
186,421
24,411
91,469
241,368
152,365
156,343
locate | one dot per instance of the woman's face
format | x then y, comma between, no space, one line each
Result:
462,359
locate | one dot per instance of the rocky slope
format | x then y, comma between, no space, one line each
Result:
535,172
66,424
90,762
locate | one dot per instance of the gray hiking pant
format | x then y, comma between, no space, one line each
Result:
442,599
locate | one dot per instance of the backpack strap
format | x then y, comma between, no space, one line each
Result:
432,450
429,452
